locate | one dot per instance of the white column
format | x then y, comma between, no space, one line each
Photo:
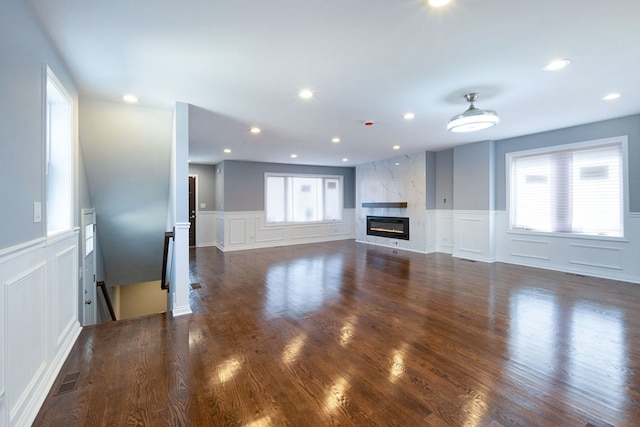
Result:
180,280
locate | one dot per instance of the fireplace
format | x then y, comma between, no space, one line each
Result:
388,226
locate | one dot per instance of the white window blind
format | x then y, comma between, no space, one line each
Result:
300,198
577,190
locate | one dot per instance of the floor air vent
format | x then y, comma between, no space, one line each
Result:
196,286
69,383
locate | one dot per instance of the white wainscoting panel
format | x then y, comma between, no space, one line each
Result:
238,231
25,335
220,230
3,346
248,230
206,228
473,235
309,231
39,304
66,297
265,235
444,231
615,259
431,236
530,248
596,256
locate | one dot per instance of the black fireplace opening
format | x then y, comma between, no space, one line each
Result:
388,226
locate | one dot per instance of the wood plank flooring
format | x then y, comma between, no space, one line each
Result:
342,333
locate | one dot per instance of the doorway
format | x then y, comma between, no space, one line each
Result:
192,209
88,293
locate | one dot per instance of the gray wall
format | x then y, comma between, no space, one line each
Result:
219,184
206,183
622,126
430,176
23,49
444,180
244,182
473,176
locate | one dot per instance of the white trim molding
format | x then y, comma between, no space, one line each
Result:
235,231
615,259
473,235
179,291
39,324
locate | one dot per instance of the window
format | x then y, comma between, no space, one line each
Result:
576,188
59,150
303,198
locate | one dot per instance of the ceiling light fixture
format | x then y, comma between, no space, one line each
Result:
473,119
409,116
306,94
335,140
611,97
345,160
227,150
438,3
131,99
293,156
556,65
255,130
396,147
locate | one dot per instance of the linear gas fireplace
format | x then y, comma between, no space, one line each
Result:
388,226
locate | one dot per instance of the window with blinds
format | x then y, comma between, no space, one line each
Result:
302,198
577,188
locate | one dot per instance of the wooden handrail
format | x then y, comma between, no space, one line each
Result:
164,284
102,286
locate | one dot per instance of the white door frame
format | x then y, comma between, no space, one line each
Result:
88,293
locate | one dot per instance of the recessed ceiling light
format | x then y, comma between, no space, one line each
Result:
255,130
611,97
131,99
345,160
438,3
409,116
397,163
396,147
227,150
556,65
335,140
293,156
306,94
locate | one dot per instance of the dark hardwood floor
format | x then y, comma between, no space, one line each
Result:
347,334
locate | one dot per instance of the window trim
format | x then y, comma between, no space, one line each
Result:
49,75
340,178
622,140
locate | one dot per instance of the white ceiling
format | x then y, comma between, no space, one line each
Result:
242,63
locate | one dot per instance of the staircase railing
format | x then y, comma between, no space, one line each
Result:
164,283
105,292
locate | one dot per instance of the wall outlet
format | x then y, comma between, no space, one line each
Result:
37,212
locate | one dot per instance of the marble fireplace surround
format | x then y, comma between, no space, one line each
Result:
393,187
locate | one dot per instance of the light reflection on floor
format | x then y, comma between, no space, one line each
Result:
588,338
301,286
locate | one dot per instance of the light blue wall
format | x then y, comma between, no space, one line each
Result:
473,176
244,182
444,180
24,50
206,183
629,126
430,176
